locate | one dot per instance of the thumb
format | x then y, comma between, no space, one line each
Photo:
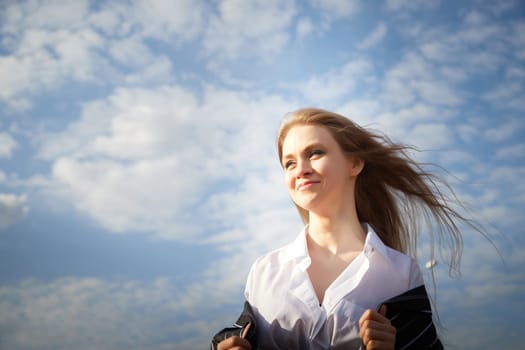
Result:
245,330
382,310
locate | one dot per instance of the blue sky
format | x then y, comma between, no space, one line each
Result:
138,170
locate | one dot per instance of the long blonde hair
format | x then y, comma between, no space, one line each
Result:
393,192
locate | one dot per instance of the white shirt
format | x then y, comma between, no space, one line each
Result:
287,310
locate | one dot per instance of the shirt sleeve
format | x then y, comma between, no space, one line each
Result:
250,280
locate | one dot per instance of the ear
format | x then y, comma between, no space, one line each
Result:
355,166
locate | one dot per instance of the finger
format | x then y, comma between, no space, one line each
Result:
383,326
379,345
235,342
365,316
376,331
379,339
382,310
384,332
374,326
372,315
245,330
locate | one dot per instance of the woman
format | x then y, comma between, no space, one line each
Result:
346,281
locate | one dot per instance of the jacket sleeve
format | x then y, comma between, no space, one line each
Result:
246,317
411,314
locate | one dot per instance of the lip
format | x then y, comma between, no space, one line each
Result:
305,185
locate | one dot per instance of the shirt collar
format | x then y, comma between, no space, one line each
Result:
373,242
298,249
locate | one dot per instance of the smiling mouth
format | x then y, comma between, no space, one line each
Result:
306,185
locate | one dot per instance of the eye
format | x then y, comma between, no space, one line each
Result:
288,164
315,153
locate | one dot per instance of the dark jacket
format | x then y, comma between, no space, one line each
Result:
410,313
247,316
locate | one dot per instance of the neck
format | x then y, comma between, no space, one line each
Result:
337,234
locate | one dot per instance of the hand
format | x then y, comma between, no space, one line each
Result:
376,331
235,342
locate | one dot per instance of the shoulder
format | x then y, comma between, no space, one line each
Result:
272,259
401,265
271,271
283,256
406,266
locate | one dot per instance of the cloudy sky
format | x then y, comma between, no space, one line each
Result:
138,170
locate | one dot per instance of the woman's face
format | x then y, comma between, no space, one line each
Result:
318,175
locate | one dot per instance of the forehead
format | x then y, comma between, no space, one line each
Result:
300,136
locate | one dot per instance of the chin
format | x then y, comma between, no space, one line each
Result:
308,205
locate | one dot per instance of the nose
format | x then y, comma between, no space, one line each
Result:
303,168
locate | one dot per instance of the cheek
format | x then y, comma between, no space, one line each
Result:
322,167
289,181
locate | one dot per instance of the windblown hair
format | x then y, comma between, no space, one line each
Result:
393,193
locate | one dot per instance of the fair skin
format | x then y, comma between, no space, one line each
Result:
321,179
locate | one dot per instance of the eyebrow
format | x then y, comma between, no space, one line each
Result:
308,148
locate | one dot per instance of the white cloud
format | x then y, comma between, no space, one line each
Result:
159,70
399,79
52,15
45,59
12,208
511,152
130,51
468,132
337,8
403,5
249,28
453,74
457,157
502,6
304,27
517,39
478,33
415,78
462,302
430,137
145,123
507,95
170,20
512,188
338,83
505,130
143,196
52,43
142,159
363,111
90,313
439,93
438,51
373,38
399,123
475,47
7,145
465,329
